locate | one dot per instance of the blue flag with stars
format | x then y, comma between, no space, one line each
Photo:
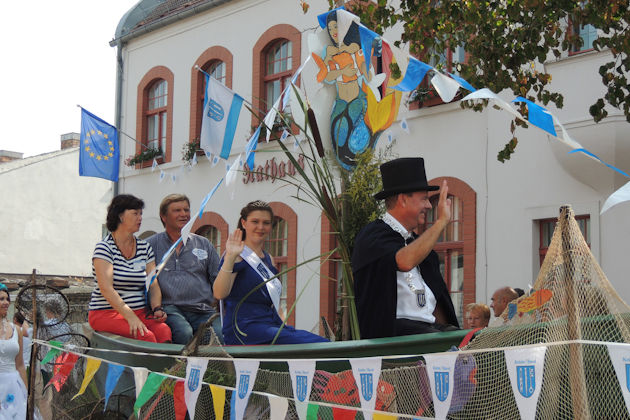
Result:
99,153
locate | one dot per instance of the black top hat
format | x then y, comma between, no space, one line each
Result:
403,175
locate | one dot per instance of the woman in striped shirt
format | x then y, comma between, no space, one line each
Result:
120,265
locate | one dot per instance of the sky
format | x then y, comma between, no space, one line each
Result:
55,56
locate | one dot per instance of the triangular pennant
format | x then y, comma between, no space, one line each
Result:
139,378
416,70
152,384
53,352
463,83
250,150
113,374
441,369
230,177
162,176
367,372
246,371
63,366
195,369
446,87
620,358
343,413
538,115
278,407
91,367
525,369
179,401
218,401
301,372
155,165
619,196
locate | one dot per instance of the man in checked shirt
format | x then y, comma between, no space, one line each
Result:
187,278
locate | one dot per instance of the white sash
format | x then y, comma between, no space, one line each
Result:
274,287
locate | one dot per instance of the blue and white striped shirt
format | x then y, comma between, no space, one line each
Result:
129,274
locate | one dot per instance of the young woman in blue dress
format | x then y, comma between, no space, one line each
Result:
244,266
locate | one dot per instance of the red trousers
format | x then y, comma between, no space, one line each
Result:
109,320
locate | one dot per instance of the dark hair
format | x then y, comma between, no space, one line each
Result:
168,200
119,204
5,289
18,318
257,205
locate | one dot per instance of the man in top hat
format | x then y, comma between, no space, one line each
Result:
398,287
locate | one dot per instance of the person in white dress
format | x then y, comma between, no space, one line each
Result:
13,394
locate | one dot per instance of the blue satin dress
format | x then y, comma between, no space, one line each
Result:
256,318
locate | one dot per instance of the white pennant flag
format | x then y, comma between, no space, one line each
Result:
246,371
155,165
366,373
162,175
525,369
230,177
195,370
278,407
619,196
441,369
185,232
404,125
620,358
302,372
194,160
139,377
215,160
445,86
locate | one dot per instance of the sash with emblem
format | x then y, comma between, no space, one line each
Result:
274,287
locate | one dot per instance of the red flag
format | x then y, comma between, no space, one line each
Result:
62,368
179,401
343,414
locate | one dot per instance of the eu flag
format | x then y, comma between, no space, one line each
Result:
99,153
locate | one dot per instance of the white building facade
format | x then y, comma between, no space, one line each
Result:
502,212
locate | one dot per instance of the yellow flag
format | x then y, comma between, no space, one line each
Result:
381,416
218,400
91,367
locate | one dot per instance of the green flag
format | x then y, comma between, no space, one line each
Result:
148,390
53,352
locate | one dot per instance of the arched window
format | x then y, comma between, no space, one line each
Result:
456,245
278,70
216,61
281,245
214,227
276,56
154,118
156,115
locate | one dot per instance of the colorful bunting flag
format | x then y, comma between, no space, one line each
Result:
91,367
139,378
195,369
152,384
301,372
525,369
278,407
63,366
367,372
53,352
179,401
113,374
440,369
218,400
246,371
416,70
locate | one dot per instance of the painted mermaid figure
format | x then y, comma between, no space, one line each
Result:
344,66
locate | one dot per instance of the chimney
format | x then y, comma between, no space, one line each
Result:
7,156
70,140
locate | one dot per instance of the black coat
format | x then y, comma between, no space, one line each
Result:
374,269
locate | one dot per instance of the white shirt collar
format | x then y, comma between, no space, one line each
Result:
393,223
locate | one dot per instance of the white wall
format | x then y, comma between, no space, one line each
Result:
51,217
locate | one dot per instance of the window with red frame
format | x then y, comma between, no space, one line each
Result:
278,71
588,34
450,250
213,234
156,115
547,226
277,247
216,69
448,62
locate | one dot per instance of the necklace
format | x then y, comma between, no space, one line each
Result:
421,299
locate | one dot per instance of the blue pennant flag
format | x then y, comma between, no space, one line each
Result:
416,70
538,116
113,374
99,154
251,148
463,82
593,155
367,42
220,116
